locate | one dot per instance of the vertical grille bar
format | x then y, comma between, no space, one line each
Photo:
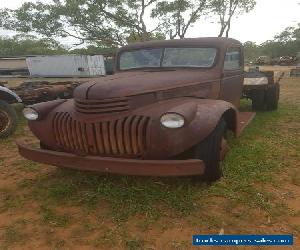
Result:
142,133
120,136
99,138
113,138
106,137
127,136
134,135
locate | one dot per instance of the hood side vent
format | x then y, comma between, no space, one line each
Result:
106,106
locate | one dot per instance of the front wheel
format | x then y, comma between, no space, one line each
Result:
210,152
8,119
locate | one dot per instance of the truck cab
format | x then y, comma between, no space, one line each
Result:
164,112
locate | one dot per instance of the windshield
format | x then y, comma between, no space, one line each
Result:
168,57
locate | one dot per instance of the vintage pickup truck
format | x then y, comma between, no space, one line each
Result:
164,112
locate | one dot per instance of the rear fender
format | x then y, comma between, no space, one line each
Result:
201,118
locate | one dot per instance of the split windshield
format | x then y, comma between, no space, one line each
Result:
168,57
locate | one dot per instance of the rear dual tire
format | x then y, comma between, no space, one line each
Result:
265,99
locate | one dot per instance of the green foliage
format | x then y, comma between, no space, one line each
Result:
94,50
95,22
29,45
287,43
115,23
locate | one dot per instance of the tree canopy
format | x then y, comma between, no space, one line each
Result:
113,23
286,43
29,45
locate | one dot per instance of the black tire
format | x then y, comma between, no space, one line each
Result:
272,97
8,119
258,99
209,152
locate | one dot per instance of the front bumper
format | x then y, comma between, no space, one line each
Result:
113,165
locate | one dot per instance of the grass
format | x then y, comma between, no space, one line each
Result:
262,160
9,200
13,234
53,218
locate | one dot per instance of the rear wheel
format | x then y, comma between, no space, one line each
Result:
8,119
211,150
258,99
272,97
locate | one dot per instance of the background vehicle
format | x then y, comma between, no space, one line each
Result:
287,60
296,72
262,88
164,112
263,60
8,116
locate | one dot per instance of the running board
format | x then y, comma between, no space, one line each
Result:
244,118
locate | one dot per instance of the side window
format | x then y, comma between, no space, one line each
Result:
233,59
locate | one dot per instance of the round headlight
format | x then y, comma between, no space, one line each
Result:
30,114
172,120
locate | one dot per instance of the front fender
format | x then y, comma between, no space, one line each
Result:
201,116
8,95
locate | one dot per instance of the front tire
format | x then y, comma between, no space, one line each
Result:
8,119
209,151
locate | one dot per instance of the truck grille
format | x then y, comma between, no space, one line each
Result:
105,106
124,137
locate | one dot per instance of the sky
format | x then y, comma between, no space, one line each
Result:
269,18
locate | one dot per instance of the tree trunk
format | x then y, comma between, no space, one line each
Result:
228,27
222,30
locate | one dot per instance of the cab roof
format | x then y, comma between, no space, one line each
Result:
219,42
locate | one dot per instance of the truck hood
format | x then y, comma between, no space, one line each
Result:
140,82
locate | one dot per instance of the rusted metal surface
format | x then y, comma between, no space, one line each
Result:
114,122
114,165
133,134
41,91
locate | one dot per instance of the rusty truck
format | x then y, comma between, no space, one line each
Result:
164,112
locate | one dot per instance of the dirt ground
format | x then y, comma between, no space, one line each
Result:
43,207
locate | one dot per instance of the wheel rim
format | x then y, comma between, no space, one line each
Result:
4,121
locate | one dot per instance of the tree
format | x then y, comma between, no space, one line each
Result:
178,16
227,9
251,50
101,22
289,34
29,45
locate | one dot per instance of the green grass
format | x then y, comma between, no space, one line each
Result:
13,234
54,218
9,200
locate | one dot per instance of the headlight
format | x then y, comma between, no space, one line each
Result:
172,120
30,114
